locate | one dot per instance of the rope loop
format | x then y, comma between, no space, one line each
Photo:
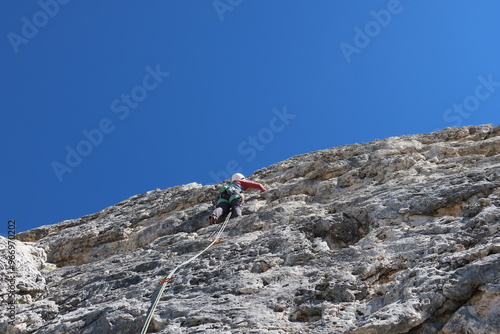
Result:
164,282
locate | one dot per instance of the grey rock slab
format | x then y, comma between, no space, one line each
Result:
398,235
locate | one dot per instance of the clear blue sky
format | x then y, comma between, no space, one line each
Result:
104,100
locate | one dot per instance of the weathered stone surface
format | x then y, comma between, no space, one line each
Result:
399,235
28,261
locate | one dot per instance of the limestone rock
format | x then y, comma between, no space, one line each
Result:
28,263
399,235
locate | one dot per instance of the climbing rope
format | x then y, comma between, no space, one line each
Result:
164,282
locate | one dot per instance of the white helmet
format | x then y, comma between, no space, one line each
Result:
237,176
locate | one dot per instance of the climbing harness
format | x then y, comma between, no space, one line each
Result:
229,192
164,282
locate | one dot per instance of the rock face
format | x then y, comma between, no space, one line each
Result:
399,235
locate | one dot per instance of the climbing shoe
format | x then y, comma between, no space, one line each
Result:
212,219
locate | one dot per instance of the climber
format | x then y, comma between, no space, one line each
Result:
231,197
